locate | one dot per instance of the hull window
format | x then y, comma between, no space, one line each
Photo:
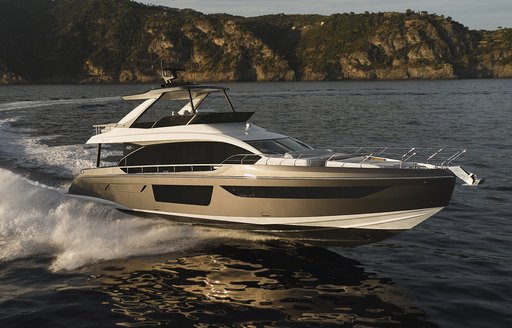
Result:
302,192
191,195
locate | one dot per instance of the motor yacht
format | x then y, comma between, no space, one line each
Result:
189,162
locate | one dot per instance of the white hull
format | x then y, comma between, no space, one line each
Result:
399,220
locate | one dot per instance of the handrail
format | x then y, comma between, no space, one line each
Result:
453,157
423,155
103,128
232,159
398,160
169,168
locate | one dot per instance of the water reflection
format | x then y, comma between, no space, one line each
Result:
252,286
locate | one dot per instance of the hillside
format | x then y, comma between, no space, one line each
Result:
87,41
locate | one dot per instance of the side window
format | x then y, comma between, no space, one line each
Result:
269,147
278,146
203,152
293,144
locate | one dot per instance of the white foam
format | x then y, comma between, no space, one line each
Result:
64,161
17,105
36,220
30,152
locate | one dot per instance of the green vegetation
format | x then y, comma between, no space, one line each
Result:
123,41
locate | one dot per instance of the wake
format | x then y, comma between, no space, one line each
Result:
17,105
38,220
31,153
35,220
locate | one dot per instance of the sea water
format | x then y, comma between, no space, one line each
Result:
65,262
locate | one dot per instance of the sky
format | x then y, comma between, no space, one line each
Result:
475,14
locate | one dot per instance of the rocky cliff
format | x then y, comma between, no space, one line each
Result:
93,41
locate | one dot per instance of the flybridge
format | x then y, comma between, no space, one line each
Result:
192,95
176,120
192,110
173,90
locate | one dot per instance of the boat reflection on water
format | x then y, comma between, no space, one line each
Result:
254,285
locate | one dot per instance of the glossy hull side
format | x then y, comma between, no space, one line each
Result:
312,235
323,198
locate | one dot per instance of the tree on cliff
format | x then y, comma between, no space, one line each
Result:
120,40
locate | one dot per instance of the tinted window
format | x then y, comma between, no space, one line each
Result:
269,146
193,195
183,153
278,146
293,144
302,192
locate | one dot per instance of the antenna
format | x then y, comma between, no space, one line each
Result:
169,74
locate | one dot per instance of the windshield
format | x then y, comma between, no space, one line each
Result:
278,146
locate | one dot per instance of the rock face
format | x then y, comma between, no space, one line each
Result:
94,41
393,46
8,77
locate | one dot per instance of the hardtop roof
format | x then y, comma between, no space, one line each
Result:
180,92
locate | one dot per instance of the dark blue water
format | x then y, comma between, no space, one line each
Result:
65,263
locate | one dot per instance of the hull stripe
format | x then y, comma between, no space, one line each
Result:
399,220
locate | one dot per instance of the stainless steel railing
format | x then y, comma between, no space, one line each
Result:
354,155
169,168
